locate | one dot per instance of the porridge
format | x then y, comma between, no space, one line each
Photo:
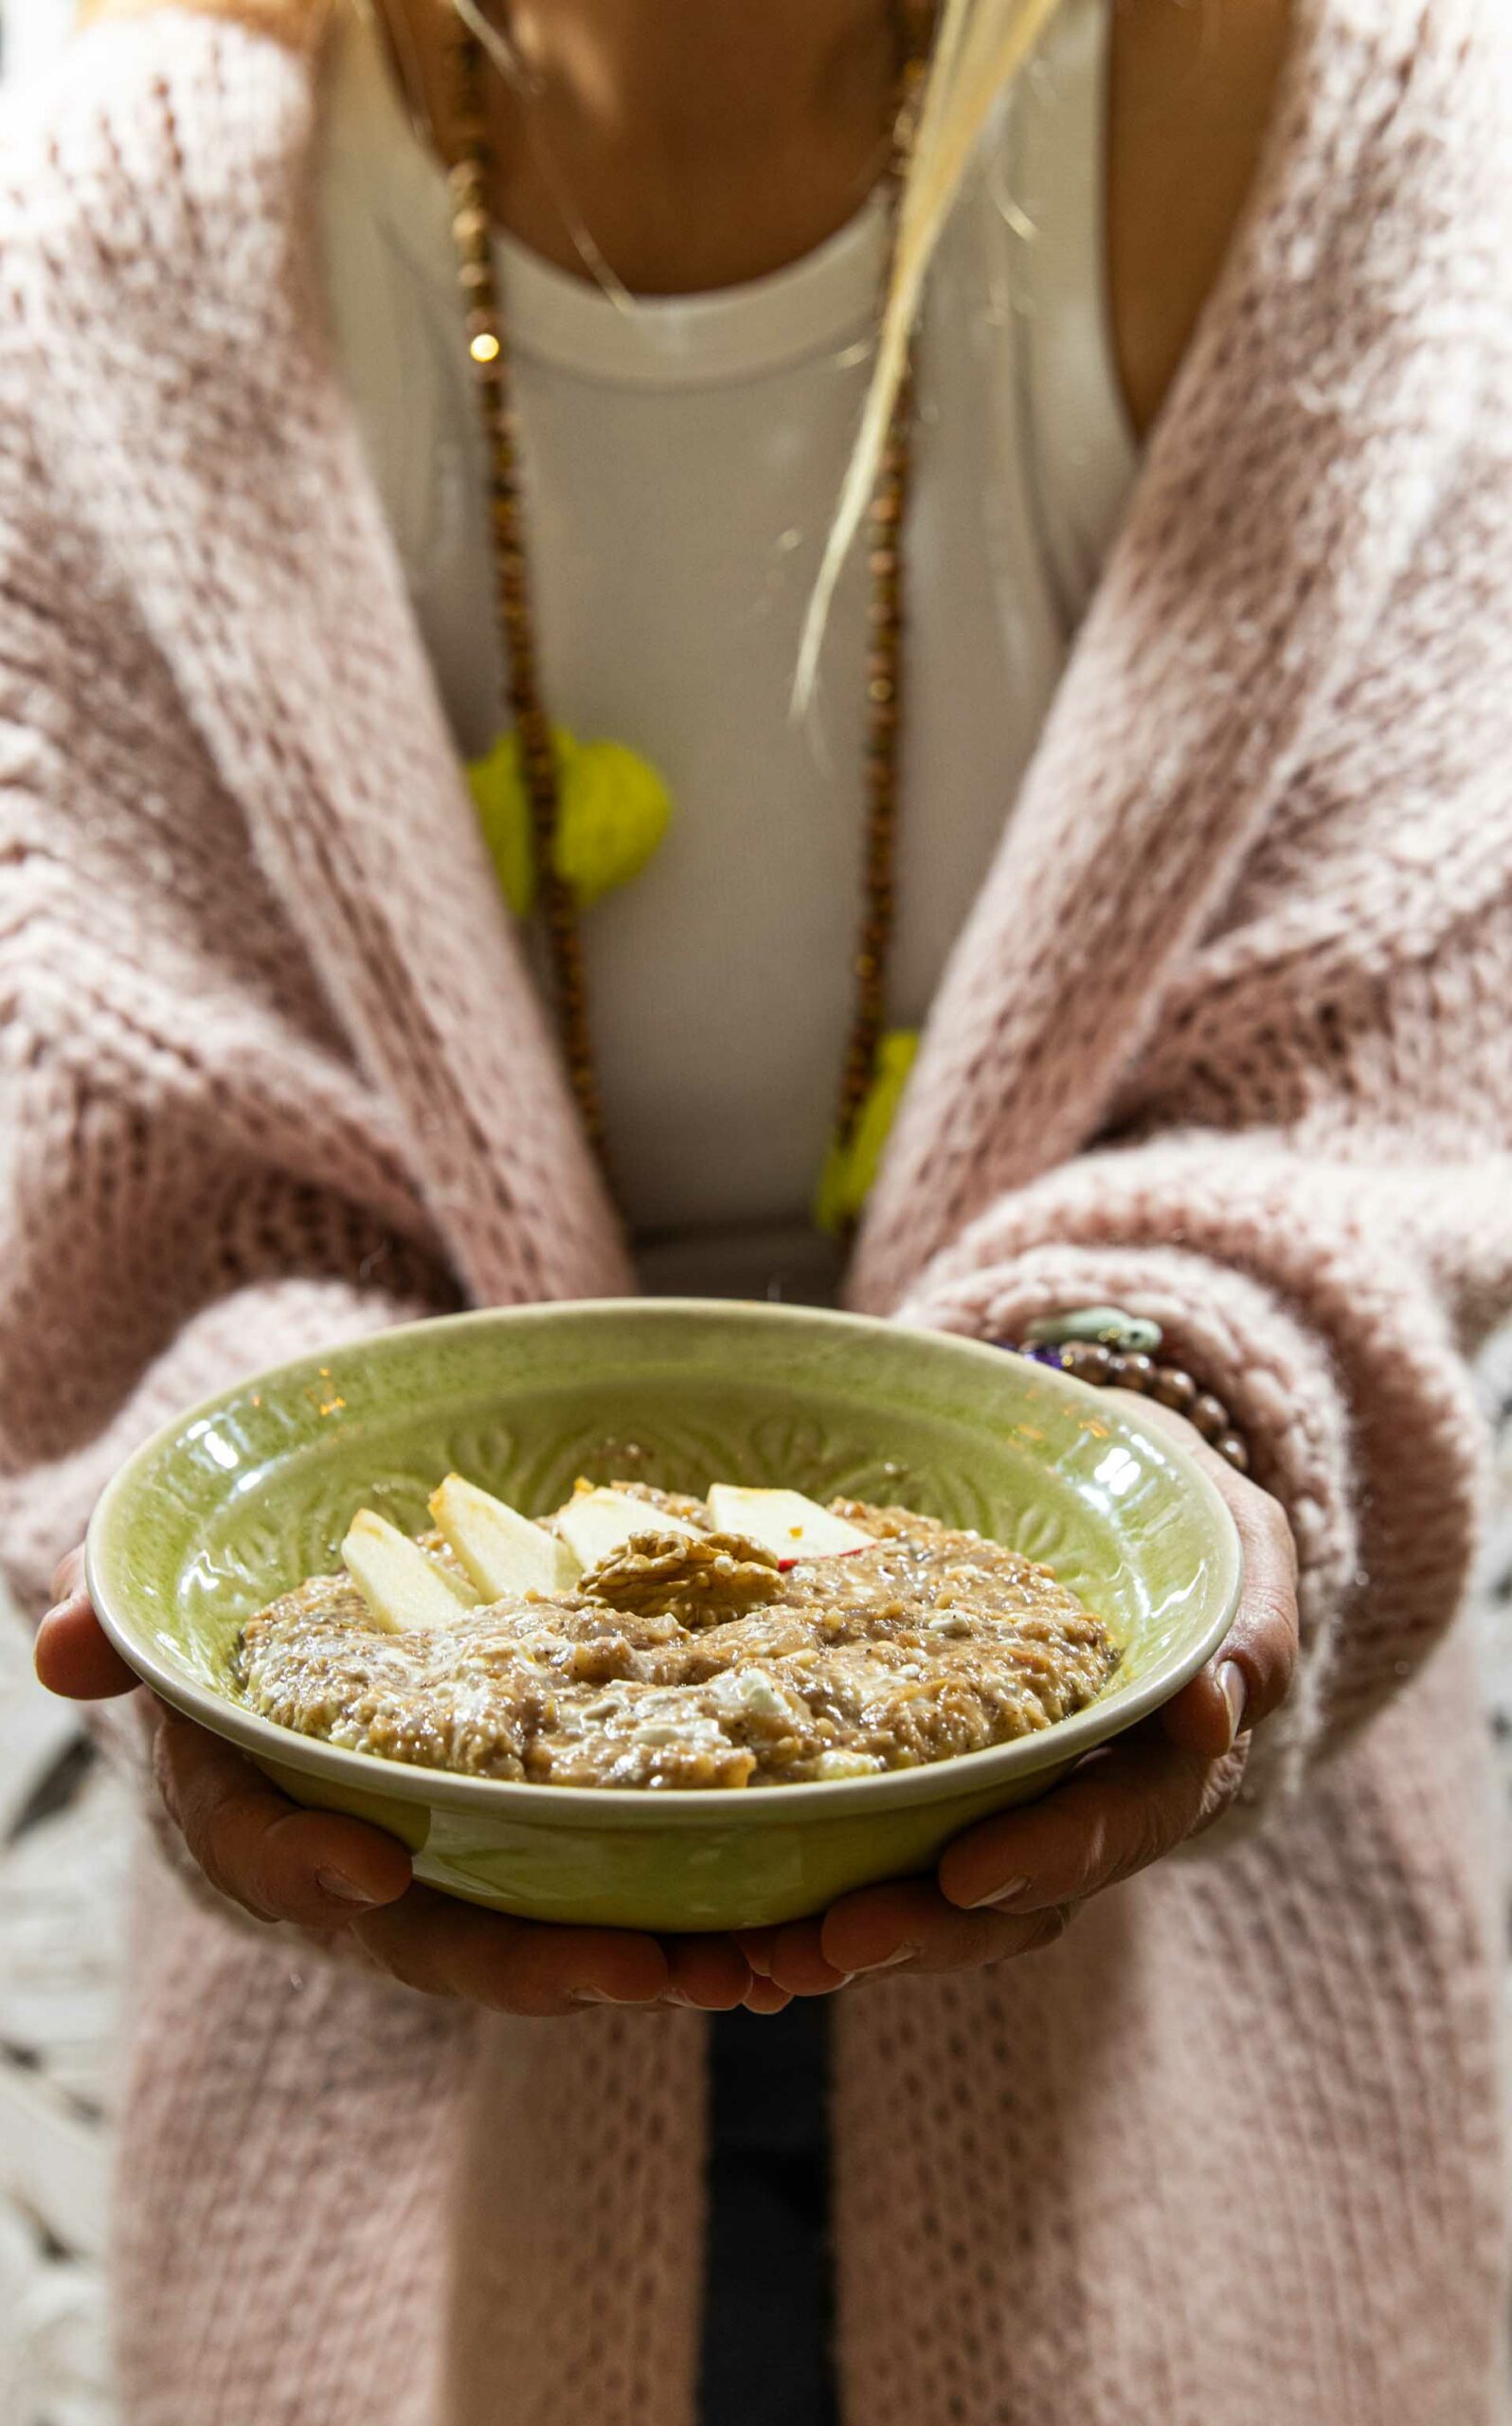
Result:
638,1639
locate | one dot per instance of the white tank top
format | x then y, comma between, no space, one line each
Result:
682,459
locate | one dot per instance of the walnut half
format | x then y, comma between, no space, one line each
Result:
701,1583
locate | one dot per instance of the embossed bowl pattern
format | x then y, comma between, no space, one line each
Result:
240,1498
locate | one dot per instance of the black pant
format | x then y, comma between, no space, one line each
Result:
767,2305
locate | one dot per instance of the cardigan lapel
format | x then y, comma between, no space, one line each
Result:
1290,476
264,569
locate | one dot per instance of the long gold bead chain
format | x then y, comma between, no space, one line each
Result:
884,664
471,231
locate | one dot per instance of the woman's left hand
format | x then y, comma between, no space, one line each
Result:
1012,1884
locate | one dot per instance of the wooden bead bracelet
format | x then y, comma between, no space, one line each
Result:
1116,1351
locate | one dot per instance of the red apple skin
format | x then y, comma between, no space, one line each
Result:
854,1552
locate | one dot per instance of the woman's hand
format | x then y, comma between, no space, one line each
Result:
326,1873
1012,1884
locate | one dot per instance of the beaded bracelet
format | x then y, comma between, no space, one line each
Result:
1116,1351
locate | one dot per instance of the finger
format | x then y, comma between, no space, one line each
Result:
710,1972
765,1996
908,1926
1250,1676
798,1961
1121,1810
279,1862
74,1657
1258,1660
68,1575
756,1945
446,1949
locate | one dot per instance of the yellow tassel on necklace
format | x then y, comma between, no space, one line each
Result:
849,1169
612,812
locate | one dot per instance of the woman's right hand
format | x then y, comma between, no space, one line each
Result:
323,1872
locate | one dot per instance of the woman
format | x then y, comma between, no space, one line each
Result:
1221,1038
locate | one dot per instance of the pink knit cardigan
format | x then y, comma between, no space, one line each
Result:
1228,1036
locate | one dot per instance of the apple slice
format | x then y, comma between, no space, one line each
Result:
595,1524
406,1589
784,1522
502,1551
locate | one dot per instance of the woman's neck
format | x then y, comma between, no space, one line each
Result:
709,76
696,142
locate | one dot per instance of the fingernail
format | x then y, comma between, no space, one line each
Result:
1008,1892
674,1997
601,1996
904,1954
1231,1685
343,1890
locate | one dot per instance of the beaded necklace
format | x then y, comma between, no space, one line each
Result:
875,1062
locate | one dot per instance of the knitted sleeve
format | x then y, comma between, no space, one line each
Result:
1304,1294
194,1178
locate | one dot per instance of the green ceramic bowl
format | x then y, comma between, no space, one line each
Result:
242,1496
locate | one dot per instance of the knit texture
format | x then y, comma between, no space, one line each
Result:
1227,1036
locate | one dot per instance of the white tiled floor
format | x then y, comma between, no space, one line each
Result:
61,1899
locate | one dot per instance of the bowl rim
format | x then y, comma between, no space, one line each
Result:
370,1774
